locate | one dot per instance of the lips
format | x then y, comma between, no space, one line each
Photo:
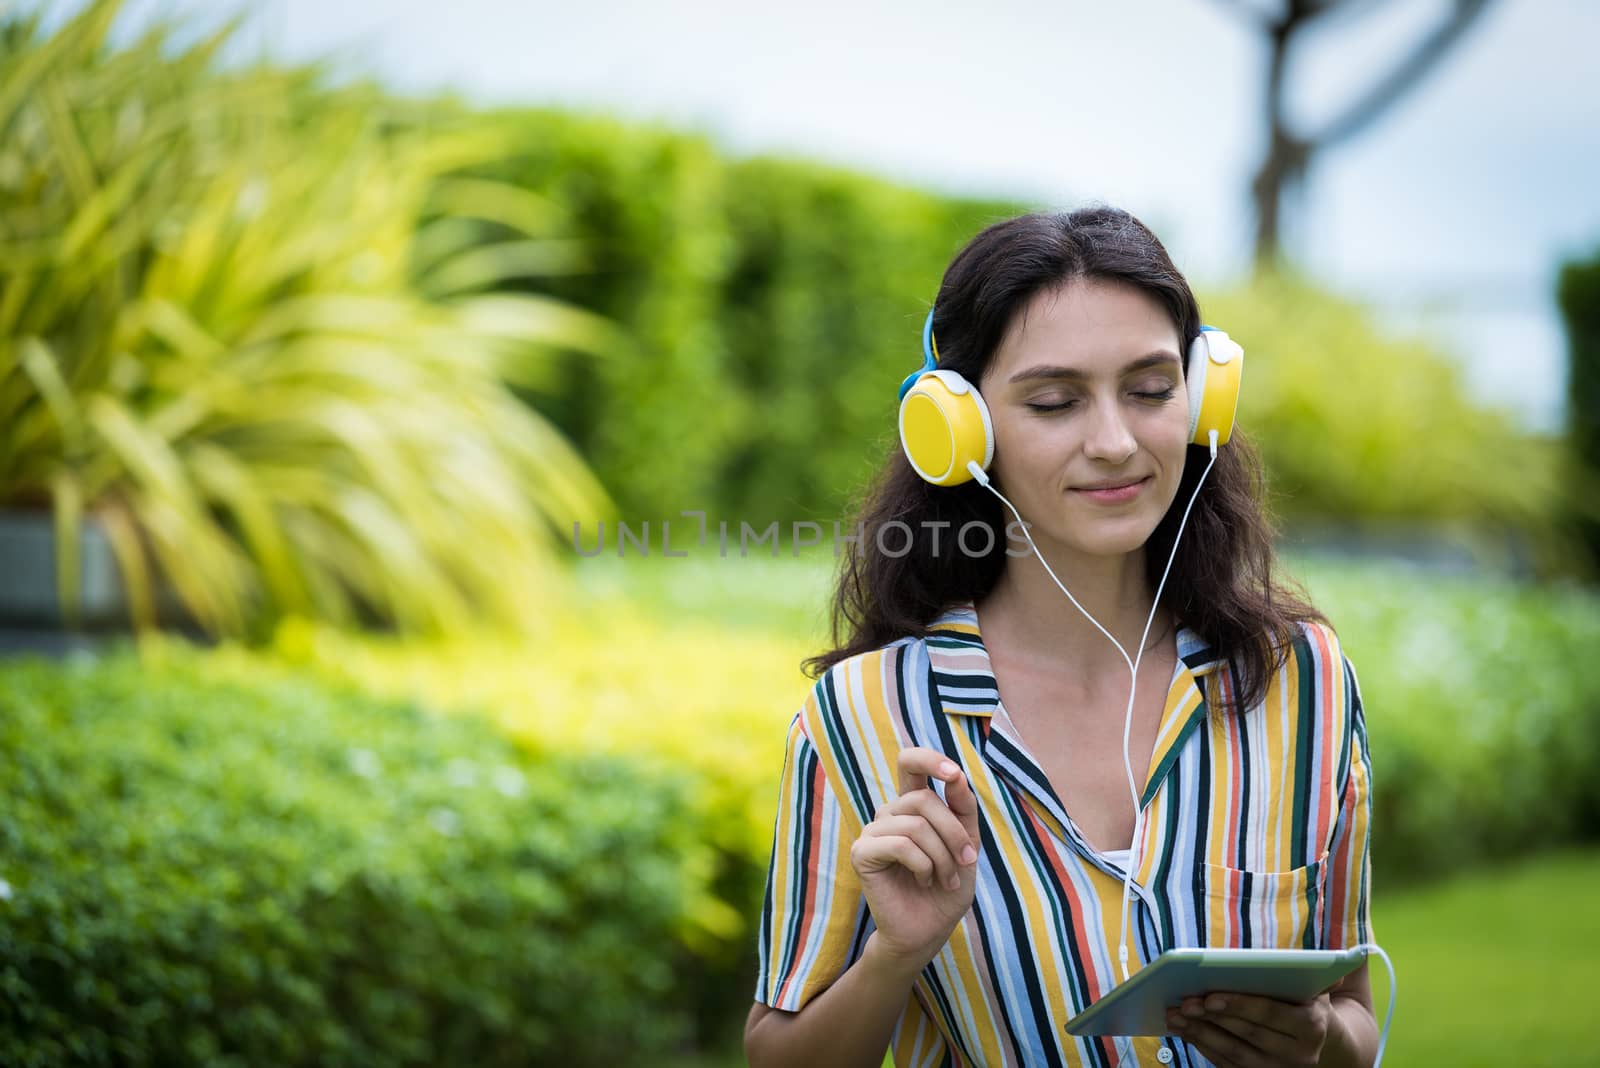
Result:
1112,492
1111,484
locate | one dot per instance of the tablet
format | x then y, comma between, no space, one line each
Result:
1139,1006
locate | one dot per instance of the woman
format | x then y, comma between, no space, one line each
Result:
958,822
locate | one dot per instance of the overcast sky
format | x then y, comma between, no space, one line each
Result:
1453,210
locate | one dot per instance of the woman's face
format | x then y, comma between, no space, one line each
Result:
1091,418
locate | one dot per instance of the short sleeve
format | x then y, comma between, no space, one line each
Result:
1348,870
814,918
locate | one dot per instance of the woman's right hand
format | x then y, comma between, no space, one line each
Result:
918,858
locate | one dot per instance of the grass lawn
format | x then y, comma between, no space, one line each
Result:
1495,968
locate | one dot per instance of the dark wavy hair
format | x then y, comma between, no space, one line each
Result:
1222,584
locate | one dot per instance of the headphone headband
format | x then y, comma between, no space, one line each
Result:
945,426
930,356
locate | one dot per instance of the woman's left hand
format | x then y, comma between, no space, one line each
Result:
1246,1031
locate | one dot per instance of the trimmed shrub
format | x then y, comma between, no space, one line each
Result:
1361,426
1483,707
199,868
616,682
776,304
1482,698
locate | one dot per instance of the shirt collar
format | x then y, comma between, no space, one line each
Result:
964,677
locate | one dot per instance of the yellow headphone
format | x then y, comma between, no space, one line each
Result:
944,423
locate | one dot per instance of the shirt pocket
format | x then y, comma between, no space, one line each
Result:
1241,909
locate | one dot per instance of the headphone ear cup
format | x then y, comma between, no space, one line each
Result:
944,426
1215,371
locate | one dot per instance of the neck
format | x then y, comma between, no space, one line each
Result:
1038,619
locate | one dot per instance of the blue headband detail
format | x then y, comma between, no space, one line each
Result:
929,360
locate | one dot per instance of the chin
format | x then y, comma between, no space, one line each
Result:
1111,538
1109,549
1107,546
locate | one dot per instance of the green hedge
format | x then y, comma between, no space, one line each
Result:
1482,695
1483,711
1360,425
776,304
198,870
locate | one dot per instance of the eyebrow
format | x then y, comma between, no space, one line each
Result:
1051,371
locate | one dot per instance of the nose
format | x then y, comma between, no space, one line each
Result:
1109,439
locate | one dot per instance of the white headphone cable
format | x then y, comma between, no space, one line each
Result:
1133,670
1136,855
1394,986
1127,723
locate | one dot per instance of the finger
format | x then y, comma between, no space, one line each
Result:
1220,1047
963,802
917,764
1285,1018
926,803
1253,1034
875,853
920,831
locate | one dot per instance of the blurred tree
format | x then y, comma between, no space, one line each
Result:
1578,292
1288,152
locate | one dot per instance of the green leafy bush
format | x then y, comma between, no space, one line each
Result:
199,867
1483,709
1358,425
1482,698
247,325
832,276
775,305
616,682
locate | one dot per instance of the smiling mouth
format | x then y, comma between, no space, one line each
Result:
1111,487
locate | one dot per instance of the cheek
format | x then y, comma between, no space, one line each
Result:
1174,430
1165,435
1026,454
1176,442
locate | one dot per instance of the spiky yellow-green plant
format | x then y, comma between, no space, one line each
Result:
250,324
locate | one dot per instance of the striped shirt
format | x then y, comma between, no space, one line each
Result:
1254,835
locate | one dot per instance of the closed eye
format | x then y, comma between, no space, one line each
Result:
1152,396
